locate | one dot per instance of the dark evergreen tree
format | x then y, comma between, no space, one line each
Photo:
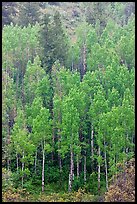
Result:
67,127
60,40
53,41
46,43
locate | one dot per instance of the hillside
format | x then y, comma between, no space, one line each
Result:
73,13
68,108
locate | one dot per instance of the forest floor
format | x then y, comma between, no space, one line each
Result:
123,190
21,196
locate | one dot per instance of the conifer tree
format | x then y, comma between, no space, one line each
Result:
53,41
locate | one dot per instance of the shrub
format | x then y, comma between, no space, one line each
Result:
123,189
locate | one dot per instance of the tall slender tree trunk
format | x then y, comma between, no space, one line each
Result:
8,142
23,95
84,58
60,163
85,170
17,84
132,140
22,169
59,146
92,148
17,160
43,163
82,65
8,164
77,166
71,175
99,172
53,142
126,145
106,169
51,112
72,65
36,161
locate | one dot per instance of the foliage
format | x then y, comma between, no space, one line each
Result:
7,179
15,195
68,105
123,189
28,13
54,46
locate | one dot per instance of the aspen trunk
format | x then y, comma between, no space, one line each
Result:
126,145
59,146
126,148
17,160
53,142
23,95
43,167
84,58
71,175
106,169
22,169
60,163
92,147
36,162
77,166
8,164
132,140
72,63
8,142
85,171
17,84
99,172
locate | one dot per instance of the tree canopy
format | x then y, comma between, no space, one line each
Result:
68,107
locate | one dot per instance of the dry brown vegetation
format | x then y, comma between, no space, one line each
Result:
23,196
123,189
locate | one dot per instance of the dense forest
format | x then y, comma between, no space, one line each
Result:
68,101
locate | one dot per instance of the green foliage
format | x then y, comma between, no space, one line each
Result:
55,45
34,74
64,98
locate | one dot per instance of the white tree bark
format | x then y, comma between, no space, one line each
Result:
99,172
84,58
36,161
22,169
53,142
43,163
126,145
71,175
8,142
8,164
77,166
60,164
17,160
106,169
92,146
85,170
59,146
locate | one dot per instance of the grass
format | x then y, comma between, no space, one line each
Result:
52,193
